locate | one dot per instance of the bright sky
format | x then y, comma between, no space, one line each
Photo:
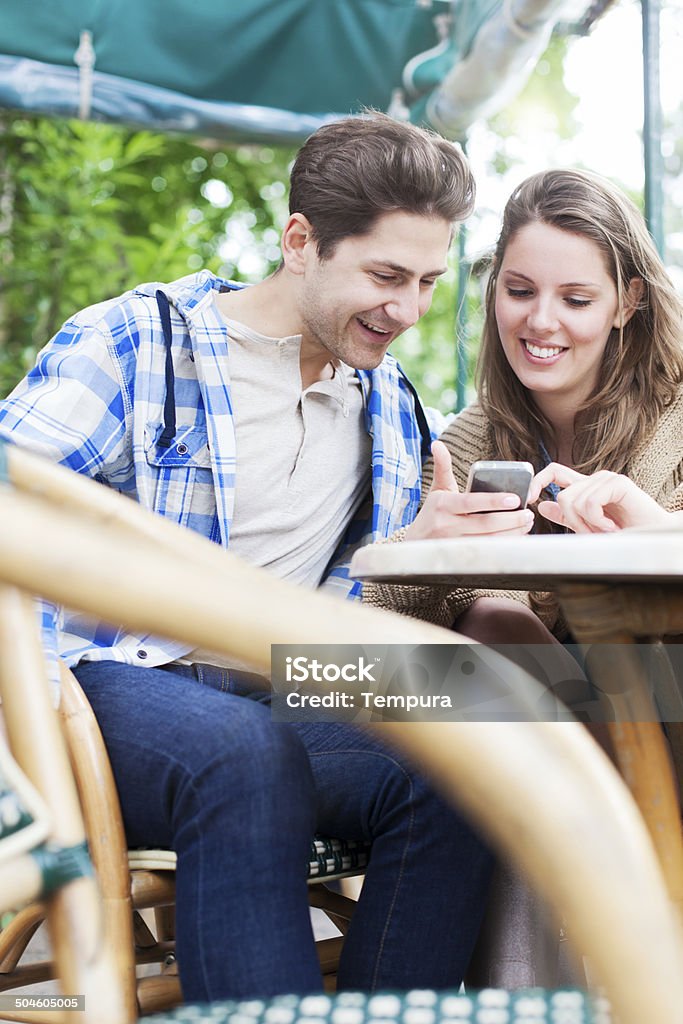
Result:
604,70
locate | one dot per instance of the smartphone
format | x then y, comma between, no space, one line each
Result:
507,477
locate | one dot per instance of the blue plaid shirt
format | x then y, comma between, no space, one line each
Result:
95,402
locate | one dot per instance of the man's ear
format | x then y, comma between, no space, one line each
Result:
296,236
631,299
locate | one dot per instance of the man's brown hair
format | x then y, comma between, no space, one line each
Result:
350,172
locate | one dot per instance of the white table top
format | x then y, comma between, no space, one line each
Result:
527,562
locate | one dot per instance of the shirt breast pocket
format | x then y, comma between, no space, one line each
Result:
184,480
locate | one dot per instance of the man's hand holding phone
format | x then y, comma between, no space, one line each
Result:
449,512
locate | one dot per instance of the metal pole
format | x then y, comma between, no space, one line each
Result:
461,324
652,123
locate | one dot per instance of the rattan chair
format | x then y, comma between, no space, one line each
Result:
104,967
542,791
25,825
132,881
43,853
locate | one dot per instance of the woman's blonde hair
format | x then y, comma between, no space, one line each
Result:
642,365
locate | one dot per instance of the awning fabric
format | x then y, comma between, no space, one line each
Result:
240,69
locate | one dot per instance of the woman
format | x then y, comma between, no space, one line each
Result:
580,372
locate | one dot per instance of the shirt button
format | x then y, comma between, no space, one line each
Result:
142,654
181,449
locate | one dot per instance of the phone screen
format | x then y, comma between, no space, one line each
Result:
511,477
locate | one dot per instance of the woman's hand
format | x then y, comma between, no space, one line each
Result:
600,503
449,513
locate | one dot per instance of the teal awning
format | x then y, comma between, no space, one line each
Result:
243,69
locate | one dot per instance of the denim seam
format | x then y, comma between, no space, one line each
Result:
200,930
409,839
398,884
175,762
200,875
199,669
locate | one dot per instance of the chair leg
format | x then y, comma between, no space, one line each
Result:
142,934
85,960
339,909
104,826
14,940
159,992
519,942
164,920
16,936
329,951
121,889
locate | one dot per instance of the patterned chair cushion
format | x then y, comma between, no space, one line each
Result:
333,858
490,1006
329,859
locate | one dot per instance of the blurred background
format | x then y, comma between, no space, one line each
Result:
163,176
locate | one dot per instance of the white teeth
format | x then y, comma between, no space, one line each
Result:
542,353
371,327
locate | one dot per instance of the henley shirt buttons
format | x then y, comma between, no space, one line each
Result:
181,449
142,654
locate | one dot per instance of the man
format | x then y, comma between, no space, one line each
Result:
271,420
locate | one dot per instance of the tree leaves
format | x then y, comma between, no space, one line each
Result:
89,210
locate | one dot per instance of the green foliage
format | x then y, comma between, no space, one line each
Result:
544,103
428,352
89,210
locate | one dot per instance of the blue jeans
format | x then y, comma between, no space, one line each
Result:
204,770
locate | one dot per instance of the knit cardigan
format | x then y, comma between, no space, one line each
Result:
656,467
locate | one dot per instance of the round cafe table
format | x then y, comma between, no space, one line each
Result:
616,591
